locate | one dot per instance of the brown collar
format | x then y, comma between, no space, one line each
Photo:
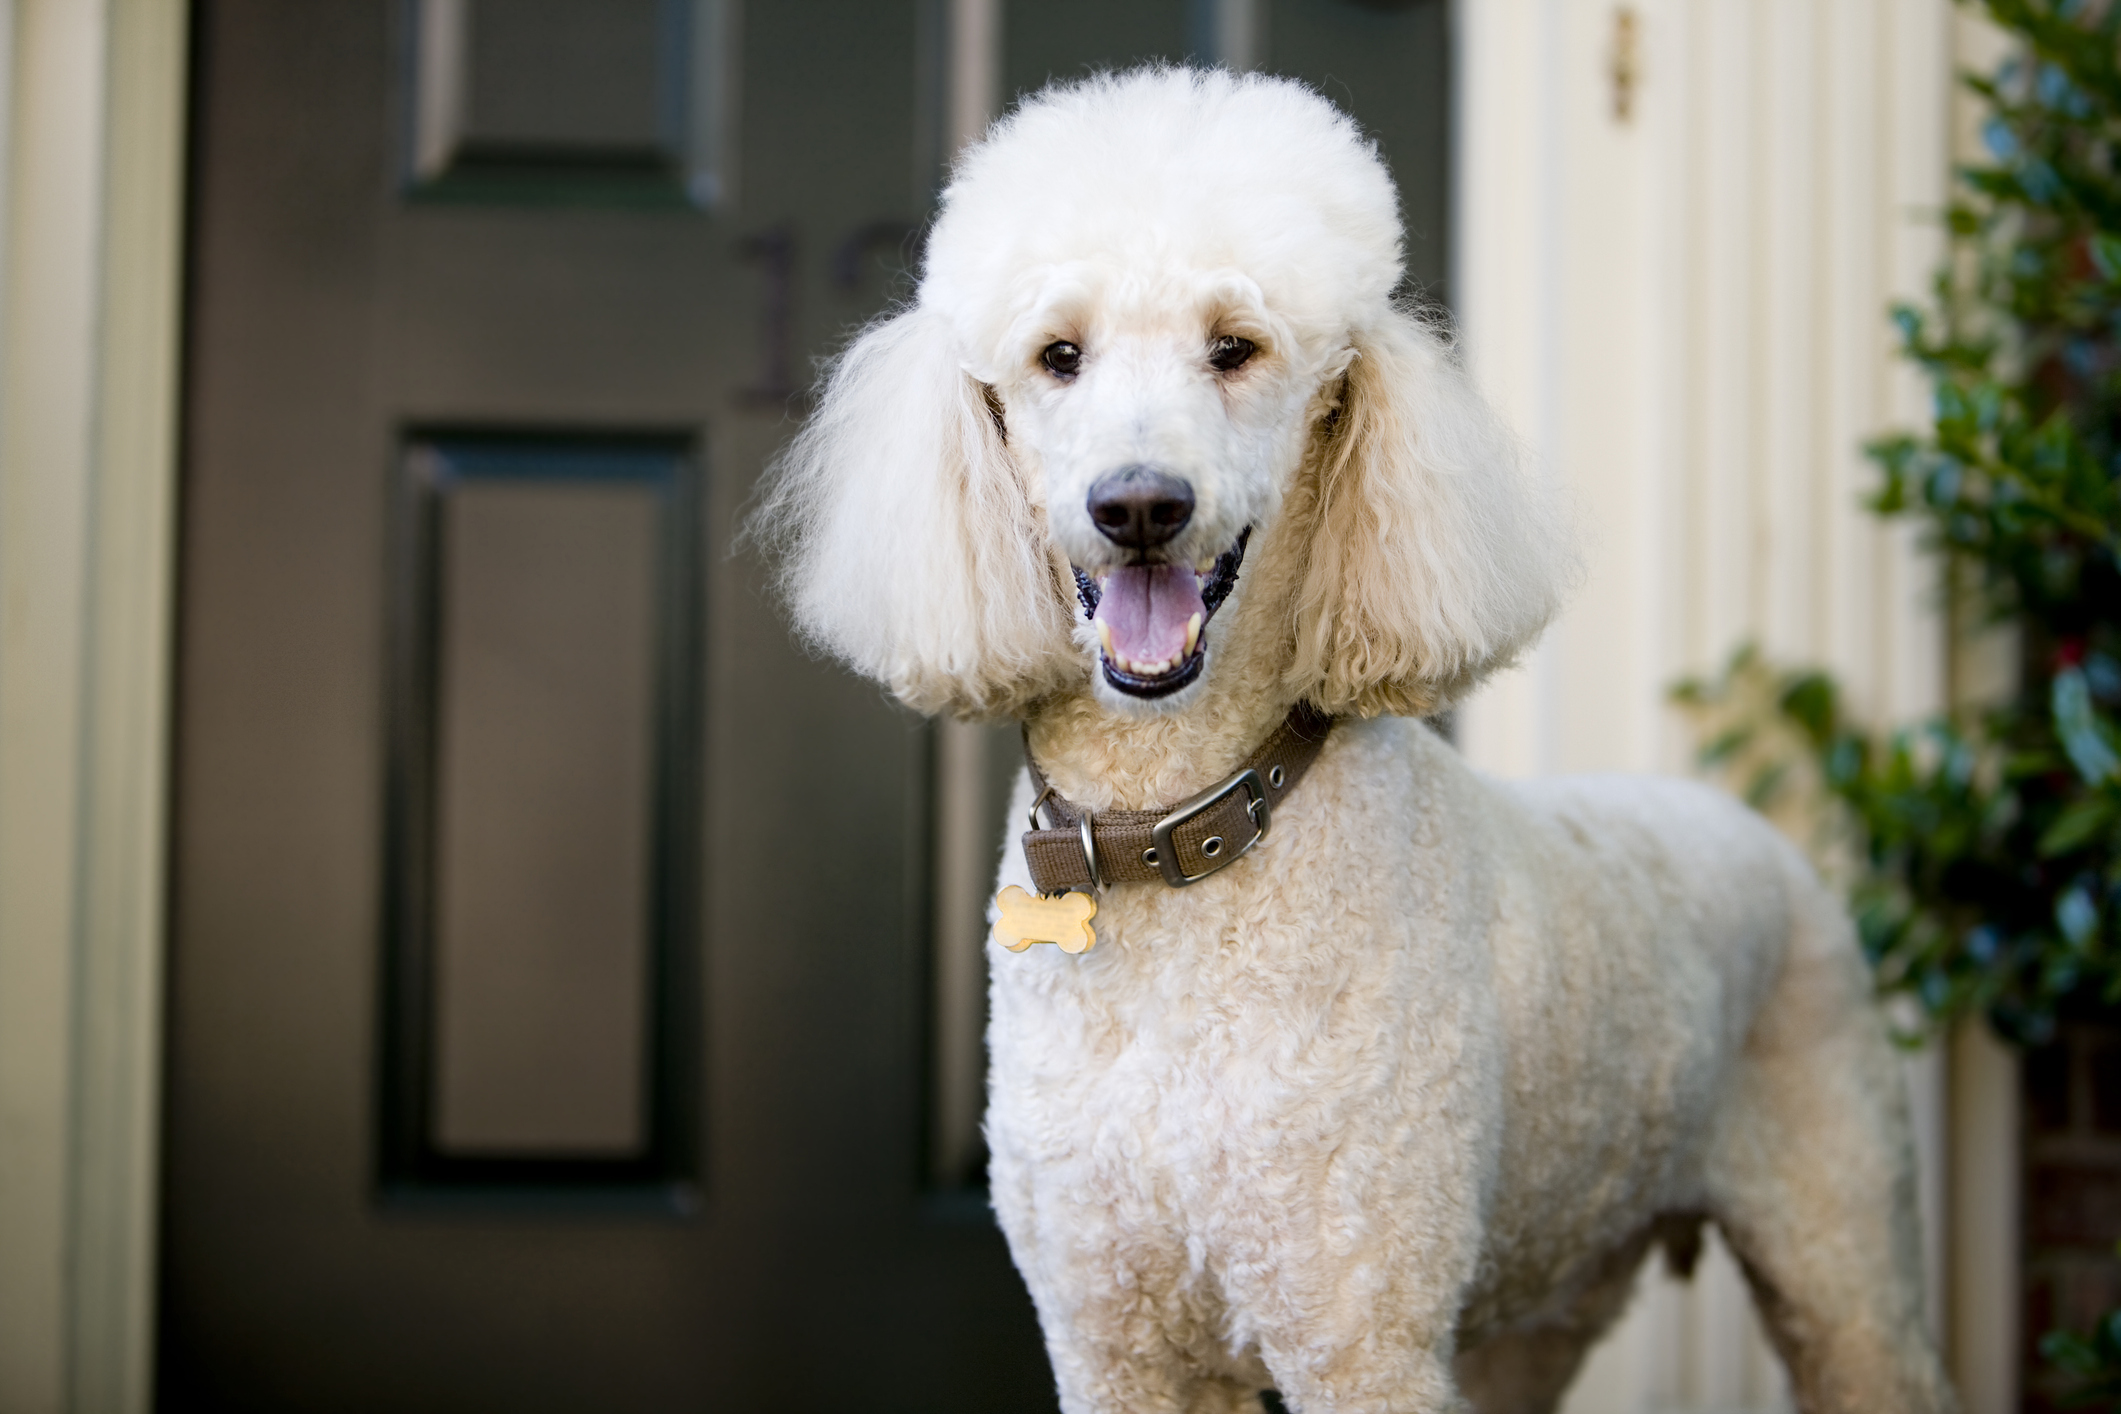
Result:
1180,846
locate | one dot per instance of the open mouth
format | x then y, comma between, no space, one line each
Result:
1152,620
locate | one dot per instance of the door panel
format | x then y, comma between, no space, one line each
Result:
547,632
542,819
570,100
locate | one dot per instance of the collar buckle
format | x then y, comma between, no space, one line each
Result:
1164,836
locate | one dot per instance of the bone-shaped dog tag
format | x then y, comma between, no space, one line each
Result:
1029,918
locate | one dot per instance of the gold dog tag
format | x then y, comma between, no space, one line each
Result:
1032,918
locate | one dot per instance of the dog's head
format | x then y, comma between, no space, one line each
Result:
1154,343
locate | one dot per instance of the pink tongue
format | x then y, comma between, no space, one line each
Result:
1146,608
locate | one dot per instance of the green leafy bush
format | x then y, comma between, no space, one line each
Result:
2090,1366
1988,844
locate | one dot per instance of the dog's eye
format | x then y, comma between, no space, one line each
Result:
1230,353
1062,359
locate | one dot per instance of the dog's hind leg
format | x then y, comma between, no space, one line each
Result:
1226,1397
1523,1372
1812,1182
1528,1370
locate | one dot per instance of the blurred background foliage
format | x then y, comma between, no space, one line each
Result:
1982,849
2089,1365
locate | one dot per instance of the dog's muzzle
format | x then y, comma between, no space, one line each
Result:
1152,618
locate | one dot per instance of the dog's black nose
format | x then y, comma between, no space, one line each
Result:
1139,506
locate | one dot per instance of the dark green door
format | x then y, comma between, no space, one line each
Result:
553,1010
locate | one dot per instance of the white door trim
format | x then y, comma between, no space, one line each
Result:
91,206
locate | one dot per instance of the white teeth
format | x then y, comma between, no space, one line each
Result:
1141,669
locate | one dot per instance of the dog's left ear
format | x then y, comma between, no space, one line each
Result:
1435,557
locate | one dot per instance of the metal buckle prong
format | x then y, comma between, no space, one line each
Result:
1097,878
1035,807
1247,781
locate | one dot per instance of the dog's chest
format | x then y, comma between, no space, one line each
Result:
1207,1060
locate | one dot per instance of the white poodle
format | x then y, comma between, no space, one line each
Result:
1385,1114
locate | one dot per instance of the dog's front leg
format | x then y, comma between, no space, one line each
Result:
1375,1372
1117,1333
1117,1299
1121,1335
1096,1378
1360,1315
1352,1297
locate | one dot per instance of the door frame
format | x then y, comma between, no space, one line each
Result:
92,124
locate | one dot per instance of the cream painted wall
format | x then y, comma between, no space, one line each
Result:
90,223
1682,312
1683,315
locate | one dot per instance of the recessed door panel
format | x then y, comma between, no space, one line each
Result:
542,799
569,101
542,819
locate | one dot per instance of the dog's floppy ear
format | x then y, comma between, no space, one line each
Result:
909,546
1435,557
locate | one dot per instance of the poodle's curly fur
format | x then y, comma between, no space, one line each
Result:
1386,1114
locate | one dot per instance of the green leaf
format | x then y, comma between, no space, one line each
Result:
2077,916
1766,784
1845,761
2105,249
1987,404
1725,746
2075,825
2068,1352
1811,701
2083,735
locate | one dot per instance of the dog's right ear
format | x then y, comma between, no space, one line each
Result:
910,546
